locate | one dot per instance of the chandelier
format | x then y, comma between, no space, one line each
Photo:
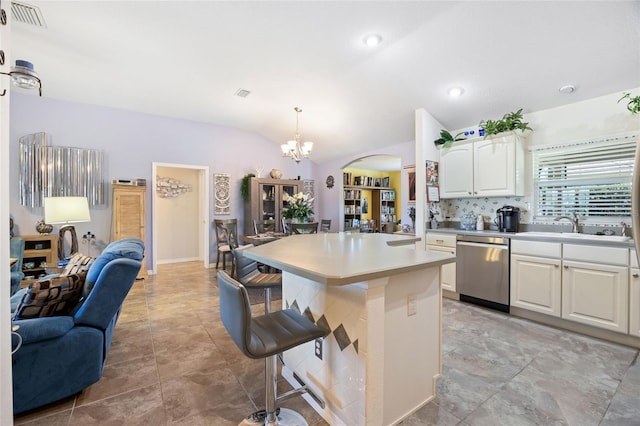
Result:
294,149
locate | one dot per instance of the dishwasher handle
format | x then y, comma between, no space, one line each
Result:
483,245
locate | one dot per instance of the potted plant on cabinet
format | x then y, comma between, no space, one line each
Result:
509,122
446,139
633,104
244,186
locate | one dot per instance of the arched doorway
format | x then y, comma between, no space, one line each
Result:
371,195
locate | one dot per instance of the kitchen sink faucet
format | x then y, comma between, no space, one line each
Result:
574,221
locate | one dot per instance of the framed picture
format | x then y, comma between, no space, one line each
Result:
385,182
433,194
411,176
365,205
432,173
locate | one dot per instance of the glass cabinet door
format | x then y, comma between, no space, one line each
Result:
268,203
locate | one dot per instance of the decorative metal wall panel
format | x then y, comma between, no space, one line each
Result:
55,171
222,185
307,188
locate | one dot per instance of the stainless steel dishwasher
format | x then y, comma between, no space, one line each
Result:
482,270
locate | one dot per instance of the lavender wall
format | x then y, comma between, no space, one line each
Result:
132,141
328,200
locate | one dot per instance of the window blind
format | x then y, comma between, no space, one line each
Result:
591,178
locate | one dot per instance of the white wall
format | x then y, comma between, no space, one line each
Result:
589,119
178,218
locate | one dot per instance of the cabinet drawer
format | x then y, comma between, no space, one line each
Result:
536,248
444,240
597,254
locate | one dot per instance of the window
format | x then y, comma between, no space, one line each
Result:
591,178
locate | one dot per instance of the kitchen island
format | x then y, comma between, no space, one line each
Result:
382,304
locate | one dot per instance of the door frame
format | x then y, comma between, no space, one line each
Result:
203,217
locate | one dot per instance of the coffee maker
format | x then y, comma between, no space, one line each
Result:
508,219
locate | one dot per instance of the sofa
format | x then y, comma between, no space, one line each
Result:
16,250
64,346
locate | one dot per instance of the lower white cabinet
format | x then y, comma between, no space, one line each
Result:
596,294
536,284
634,301
444,243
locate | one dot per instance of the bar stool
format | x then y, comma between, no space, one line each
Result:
265,336
250,276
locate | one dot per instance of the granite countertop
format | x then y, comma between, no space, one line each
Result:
345,258
524,236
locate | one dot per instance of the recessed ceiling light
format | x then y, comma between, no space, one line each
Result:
373,40
567,89
243,93
456,91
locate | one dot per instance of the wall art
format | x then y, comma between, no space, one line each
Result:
222,188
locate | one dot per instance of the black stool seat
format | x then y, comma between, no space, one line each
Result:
278,331
264,336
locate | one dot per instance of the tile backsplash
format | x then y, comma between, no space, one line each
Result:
486,206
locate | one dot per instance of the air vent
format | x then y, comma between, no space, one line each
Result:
243,93
27,14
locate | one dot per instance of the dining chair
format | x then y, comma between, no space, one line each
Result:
230,235
222,244
304,228
325,225
286,228
260,227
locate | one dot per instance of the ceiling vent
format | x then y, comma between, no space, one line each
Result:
243,93
27,14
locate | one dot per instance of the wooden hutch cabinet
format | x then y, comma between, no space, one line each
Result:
129,213
266,201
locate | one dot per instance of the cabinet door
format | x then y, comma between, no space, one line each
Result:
269,195
536,284
456,171
448,270
634,301
495,167
596,294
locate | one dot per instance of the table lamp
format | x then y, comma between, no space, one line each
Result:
66,210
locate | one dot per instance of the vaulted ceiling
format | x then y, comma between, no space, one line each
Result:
187,59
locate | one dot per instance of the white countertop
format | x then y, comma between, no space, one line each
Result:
345,258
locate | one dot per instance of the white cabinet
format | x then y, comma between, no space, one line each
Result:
456,170
595,286
634,295
479,167
443,243
536,277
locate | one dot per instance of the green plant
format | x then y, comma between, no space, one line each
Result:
298,206
244,187
446,139
509,122
634,102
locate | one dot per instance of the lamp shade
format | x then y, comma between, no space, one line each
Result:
66,210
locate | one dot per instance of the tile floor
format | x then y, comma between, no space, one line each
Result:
172,362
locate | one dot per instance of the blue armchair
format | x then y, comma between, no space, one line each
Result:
62,355
16,250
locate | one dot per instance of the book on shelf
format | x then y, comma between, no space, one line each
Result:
347,178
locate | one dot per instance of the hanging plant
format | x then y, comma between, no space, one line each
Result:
509,122
446,139
633,104
244,187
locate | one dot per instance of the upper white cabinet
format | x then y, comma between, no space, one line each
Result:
492,167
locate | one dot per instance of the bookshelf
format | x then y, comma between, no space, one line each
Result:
384,210
352,208
40,252
366,182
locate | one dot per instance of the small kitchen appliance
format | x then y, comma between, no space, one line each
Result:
508,218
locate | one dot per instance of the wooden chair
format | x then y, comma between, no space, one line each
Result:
229,230
222,244
286,227
263,226
304,228
325,225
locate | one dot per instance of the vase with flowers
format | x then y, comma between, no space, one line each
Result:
298,207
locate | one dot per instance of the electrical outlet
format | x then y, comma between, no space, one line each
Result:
412,305
319,348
